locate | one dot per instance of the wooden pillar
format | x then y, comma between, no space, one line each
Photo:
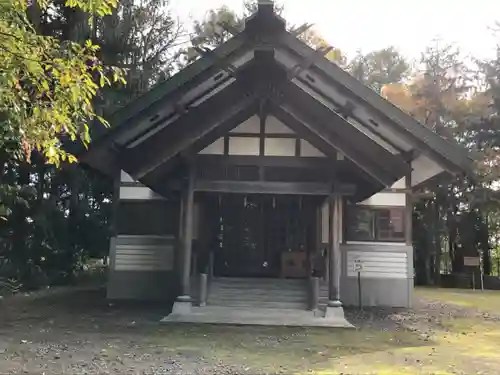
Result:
318,248
408,210
325,248
115,211
334,265
179,257
187,241
344,220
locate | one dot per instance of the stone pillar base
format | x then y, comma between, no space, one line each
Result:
203,289
182,305
313,293
334,310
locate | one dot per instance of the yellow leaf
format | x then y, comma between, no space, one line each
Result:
51,152
75,93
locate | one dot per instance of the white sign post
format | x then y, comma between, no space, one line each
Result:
358,267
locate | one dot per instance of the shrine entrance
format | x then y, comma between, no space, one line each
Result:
260,235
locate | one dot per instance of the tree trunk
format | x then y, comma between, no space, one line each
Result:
20,256
437,244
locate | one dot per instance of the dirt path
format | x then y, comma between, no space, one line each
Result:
78,332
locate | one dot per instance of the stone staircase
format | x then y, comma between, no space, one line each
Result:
258,293
323,294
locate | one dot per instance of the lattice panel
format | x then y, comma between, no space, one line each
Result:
255,231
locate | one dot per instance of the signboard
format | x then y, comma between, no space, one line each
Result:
358,265
471,261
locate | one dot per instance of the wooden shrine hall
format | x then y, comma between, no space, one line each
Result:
257,184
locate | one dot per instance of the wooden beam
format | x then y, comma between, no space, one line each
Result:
308,61
303,131
188,235
179,251
340,166
301,29
219,61
346,111
161,174
221,131
266,161
450,155
295,121
231,29
334,123
408,211
105,160
263,187
334,266
178,136
172,90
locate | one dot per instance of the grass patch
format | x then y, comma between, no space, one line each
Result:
487,301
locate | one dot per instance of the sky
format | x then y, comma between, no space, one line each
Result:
367,25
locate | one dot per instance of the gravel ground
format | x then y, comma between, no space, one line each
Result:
76,331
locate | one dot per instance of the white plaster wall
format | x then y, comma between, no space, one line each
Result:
400,184
423,169
386,199
279,147
125,177
216,148
273,125
308,150
137,192
252,125
244,146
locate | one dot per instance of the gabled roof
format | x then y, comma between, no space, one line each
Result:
266,66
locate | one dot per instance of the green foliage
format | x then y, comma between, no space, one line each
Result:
47,85
56,219
140,37
10,286
60,219
99,7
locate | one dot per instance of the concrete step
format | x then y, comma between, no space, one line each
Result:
274,288
256,316
223,301
259,292
257,280
253,292
252,287
267,305
256,294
